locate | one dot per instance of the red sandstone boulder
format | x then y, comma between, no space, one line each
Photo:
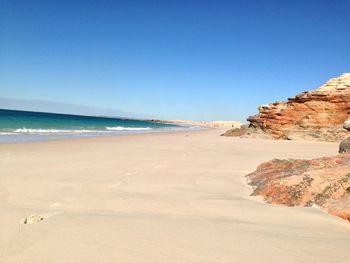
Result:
324,182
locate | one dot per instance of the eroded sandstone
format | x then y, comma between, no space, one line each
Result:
318,114
324,182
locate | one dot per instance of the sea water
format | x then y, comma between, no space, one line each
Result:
24,126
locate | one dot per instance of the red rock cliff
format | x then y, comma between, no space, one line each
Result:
317,114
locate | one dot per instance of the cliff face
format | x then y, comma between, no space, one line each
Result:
324,182
317,114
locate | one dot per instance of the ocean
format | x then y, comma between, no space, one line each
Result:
25,126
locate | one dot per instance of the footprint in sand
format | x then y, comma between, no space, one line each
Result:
56,204
115,185
50,214
59,204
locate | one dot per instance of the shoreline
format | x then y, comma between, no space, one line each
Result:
63,137
22,126
157,197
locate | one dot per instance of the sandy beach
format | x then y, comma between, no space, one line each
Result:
166,197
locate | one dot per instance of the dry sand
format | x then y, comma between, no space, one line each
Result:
171,197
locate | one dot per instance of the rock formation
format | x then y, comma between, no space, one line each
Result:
237,131
324,182
346,124
344,145
318,114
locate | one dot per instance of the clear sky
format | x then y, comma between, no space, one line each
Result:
171,59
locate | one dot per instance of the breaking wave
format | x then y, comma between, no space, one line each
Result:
70,131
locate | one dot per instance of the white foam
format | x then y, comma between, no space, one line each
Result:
70,131
39,134
41,131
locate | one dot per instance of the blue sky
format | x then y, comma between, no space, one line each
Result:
171,59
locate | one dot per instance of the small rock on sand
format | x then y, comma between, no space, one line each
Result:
32,219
